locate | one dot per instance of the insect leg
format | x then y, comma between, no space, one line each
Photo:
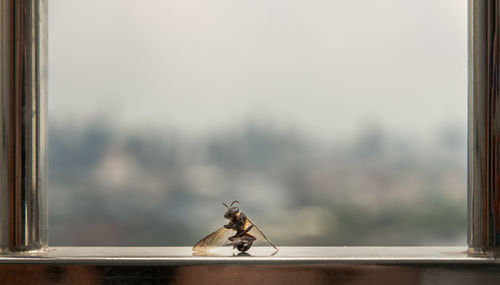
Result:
249,229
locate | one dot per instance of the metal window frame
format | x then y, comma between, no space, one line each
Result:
23,91
25,257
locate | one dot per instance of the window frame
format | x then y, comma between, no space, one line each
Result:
23,215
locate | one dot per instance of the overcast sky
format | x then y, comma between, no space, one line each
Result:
323,66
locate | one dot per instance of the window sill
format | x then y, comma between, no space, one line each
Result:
291,265
257,255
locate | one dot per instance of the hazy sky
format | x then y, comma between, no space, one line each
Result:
203,65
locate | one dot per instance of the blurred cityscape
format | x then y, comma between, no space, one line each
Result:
115,187
332,122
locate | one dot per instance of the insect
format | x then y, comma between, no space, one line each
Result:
238,222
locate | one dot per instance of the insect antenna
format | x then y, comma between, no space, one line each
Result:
234,202
225,205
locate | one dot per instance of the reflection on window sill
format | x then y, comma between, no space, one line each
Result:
290,265
256,255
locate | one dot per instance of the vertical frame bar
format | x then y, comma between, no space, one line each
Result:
484,127
23,91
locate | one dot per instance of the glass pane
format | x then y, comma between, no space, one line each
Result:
332,122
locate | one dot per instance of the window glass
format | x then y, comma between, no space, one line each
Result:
332,122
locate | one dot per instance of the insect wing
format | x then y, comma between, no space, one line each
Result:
259,234
215,239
